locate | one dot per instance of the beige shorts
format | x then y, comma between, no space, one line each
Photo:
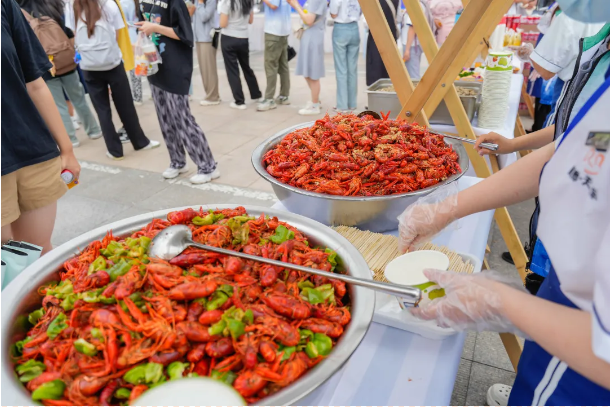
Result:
31,187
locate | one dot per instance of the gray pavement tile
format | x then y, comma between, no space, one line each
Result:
78,214
482,377
489,350
461,385
469,346
127,187
242,200
182,195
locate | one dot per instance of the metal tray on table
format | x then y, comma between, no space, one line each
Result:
383,101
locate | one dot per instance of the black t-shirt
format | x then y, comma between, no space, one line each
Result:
175,72
26,140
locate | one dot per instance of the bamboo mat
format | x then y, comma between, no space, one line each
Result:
379,250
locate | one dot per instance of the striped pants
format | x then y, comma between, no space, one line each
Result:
180,131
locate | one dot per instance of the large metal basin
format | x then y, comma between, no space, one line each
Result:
377,214
20,298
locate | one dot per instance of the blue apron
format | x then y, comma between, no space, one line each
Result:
542,378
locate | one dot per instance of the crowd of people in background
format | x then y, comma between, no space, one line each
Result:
90,45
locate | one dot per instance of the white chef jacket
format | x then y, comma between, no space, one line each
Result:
558,49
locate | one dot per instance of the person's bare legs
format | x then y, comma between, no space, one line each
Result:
34,227
7,234
314,85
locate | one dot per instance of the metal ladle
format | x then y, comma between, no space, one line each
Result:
173,240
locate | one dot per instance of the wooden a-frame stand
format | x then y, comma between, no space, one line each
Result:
464,43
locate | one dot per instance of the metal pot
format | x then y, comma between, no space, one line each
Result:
373,213
20,297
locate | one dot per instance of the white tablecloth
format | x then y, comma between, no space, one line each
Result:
395,367
515,93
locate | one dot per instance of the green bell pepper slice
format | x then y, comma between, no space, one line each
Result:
96,333
312,295
176,370
19,345
311,350
30,370
123,393
206,220
282,234
153,372
61,290
323,343
34,316
249,317
226,377
332,258
236,328
68,303
53,390
136,375
112,248
218,299
119,269
57,326
218,328
288,351
98,264
84,347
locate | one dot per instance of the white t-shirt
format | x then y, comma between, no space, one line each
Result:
558,49
348,11
237,26
110,13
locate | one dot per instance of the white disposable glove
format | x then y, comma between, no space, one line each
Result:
523,51
428,216
471,301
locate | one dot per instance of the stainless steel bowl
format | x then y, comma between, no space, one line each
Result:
20,297
377,214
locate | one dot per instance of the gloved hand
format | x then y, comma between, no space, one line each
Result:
534,75
426,217
471,301
523,51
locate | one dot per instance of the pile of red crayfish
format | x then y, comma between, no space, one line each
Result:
352,156
119,323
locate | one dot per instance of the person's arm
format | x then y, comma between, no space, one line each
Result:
269,4
531,141
149,28
251,18
564,332
43,100
545,74
411,34
307,18
223,20
558,48
513,184
334,8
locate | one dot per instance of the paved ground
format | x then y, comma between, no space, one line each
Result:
110,191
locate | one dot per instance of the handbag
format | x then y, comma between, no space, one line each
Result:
215,33
291,53
298,30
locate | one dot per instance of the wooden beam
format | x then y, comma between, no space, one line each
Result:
464,37
513,347
528,100
518,131
387,46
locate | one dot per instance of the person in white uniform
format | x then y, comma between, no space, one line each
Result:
566,355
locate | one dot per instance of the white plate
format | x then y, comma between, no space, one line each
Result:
408,268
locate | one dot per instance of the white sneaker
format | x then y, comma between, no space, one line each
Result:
310,109
209,102
76,144
203,178
96,136
498,395
75,123
266,105
239,107
151,145
112,157
283,100
171,173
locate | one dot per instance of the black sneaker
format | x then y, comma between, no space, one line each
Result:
123,136
507,257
